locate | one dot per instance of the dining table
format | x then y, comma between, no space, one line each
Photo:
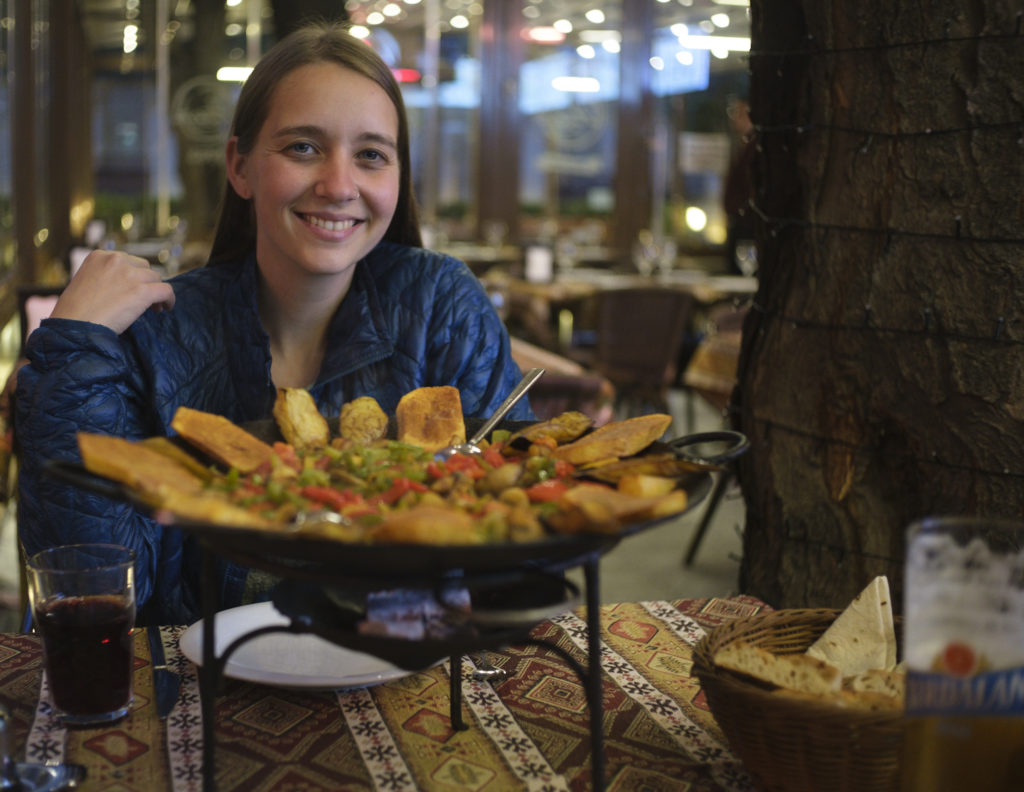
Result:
527,730
551,313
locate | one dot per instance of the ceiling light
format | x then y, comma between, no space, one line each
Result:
545,35
586,51
685,57
740,3
576,84
130,40
562,26
720,20
611,45
459,22
234,73
657,63
359,31
375,18
391,10
679,29
696,218
595,15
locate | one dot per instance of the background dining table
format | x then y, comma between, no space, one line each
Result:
529,731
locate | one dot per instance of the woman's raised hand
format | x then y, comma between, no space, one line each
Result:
113,289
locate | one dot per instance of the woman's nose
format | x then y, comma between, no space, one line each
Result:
337,180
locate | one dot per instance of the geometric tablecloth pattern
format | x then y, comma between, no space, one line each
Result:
530,731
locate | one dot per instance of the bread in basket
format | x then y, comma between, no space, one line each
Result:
791,744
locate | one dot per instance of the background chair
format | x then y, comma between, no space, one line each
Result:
711,374
566,385
640,334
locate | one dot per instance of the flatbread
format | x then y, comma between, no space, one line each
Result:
863,636
877,680
618,439
791,671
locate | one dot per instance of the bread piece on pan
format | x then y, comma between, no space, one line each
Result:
431,417
219,438
362,421
618,439
300,420
161,481
147,472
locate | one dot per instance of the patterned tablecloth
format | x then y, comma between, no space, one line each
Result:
528,732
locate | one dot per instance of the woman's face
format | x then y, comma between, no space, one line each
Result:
323,174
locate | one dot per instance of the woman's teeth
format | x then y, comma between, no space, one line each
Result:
330,225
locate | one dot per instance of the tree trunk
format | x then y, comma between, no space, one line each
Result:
881,377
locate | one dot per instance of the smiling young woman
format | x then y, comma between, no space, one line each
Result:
315,279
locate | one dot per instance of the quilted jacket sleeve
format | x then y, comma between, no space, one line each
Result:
80,378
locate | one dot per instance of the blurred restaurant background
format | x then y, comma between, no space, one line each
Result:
599,130
856,312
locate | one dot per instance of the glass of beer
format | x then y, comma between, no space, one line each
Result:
963,645
83,606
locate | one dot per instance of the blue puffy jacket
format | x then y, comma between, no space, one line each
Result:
411,318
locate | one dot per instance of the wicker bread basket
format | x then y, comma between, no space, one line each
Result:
789,744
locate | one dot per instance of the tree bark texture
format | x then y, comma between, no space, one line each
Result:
881,377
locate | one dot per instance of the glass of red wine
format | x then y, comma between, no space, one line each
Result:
83,607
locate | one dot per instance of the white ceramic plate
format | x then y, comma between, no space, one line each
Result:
285,659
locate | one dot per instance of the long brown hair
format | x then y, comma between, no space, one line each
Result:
314,43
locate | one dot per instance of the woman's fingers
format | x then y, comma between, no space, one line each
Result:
113,289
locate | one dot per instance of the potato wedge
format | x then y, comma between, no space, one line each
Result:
645,485
624,507
300,420
362,421
426,525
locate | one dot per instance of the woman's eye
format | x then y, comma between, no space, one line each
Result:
374,156
301,148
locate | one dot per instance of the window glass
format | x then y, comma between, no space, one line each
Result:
568,97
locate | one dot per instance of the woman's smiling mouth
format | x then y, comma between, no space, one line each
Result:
329,225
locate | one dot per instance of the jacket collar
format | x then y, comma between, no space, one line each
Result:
357,336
